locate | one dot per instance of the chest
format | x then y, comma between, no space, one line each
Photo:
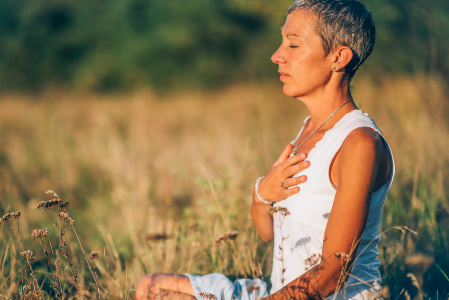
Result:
307,145
314,202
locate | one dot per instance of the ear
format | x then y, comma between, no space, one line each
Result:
342,56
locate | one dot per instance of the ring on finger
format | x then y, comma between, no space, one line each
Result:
283,185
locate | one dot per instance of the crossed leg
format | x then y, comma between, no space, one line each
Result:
160,286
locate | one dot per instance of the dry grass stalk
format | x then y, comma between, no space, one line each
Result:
279,214
232,235
26,255
64,219
384,293
420,263
94,124
157,237
40,235
346,261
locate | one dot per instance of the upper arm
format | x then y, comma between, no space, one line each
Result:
361,165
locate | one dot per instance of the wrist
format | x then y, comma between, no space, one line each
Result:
256,200
259,199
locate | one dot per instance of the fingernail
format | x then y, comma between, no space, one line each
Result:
305,164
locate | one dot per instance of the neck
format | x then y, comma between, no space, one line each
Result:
321,104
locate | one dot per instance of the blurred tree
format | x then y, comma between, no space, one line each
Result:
115,45
411,35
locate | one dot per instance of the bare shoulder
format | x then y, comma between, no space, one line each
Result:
364,148
364,139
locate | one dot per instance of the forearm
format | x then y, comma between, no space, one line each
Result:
262,219
317,283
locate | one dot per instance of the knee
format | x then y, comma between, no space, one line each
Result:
147,287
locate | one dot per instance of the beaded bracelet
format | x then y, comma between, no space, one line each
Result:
259,196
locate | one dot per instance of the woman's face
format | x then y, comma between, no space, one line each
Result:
303,66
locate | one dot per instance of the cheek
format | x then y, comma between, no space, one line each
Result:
311,69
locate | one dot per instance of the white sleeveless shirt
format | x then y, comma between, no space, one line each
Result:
302,232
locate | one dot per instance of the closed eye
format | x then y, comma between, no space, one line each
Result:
291,46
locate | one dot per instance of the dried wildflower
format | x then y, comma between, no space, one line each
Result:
31,295
64,205
53,202
227,235
252,288
275,209
28,255
41,204
66,218
9,216
39,233
26,289
344,258
208,296
344,255
156,237
94,255
50,203
312,261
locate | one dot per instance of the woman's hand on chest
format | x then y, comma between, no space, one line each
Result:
279,183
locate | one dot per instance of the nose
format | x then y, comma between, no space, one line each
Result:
278,57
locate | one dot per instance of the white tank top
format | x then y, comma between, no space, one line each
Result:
303,229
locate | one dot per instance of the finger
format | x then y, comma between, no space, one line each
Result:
295,169
289,192
289,182
293,160
284,155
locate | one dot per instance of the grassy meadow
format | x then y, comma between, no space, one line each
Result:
153,180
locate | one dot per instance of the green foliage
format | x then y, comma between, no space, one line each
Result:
115,45
411,36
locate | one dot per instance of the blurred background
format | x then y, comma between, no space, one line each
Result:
154,118
117,45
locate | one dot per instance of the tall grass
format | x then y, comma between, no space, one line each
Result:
154,180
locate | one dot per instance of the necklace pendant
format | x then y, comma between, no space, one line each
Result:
294,152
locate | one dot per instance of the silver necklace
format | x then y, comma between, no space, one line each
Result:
299,145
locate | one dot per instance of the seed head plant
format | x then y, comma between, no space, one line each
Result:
56,210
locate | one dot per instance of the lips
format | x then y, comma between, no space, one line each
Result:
283,75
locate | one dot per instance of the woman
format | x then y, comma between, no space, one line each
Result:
323,198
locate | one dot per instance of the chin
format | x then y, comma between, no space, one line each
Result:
290,92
